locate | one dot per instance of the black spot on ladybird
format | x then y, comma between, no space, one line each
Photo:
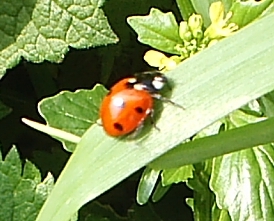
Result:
139,110
118,126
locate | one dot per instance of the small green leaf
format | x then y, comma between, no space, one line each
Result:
45,29
186,8
159,192
245,12
159,30
21,194
202,8
176,175
146,185
73,112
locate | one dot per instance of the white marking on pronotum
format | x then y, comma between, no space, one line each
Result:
158,83
132,80
139,87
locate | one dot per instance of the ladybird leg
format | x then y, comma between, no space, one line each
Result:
151,117
136,132
139,128
166,100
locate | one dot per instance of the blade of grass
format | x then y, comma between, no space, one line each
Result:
216,145
209,85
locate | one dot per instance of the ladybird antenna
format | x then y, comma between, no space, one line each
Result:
166,100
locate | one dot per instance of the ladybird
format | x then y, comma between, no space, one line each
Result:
130,102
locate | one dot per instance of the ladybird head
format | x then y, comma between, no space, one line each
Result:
151,81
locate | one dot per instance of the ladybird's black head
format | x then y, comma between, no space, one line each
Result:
152,81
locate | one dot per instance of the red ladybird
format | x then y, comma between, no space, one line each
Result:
130,101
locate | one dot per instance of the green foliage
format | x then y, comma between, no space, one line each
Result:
44,29
22,193
204,145
73,112
245,176
159,30
99,162
251,8
146,185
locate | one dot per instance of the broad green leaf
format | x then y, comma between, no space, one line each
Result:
4,110
245,12
73,112
22,193
186,8
159,30
242,181
203,203
45,29
176,175
209,85
146,185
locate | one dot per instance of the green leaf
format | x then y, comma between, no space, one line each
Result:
176,175
203,203
159,30
159,192
243,185
186,8
209,85
21,194
267,104
202,8
240,180
216,145
245,12
73,112
146,185
45,29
